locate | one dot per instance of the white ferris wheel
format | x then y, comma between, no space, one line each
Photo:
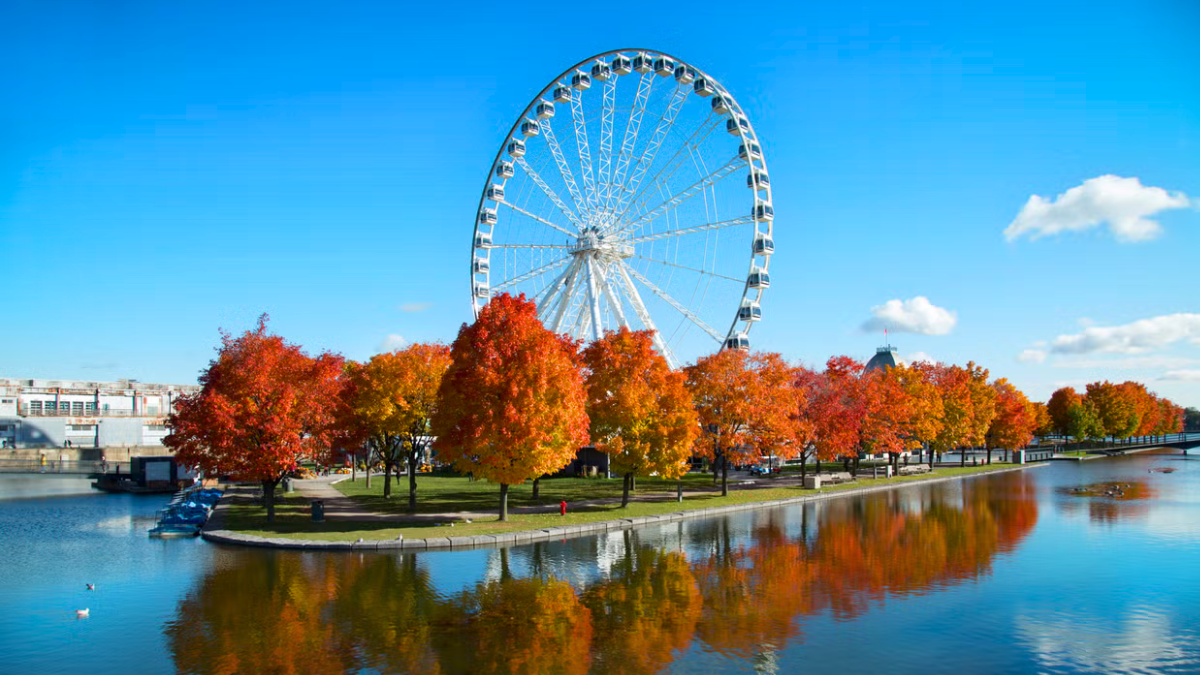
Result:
631,191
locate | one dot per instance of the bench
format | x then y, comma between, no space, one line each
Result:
913,470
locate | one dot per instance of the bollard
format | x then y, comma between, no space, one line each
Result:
318,511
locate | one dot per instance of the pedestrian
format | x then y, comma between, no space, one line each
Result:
562,507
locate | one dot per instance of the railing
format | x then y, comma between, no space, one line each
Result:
24,411
64,467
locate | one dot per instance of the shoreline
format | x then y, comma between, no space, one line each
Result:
222,536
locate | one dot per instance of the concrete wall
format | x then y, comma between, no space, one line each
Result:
104,432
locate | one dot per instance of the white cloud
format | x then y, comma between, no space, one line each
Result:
392,342
1128,363
1132,338
916,357
1032,356
1123,203
415,306
917,315
1185,375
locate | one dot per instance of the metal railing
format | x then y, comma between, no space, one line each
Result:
64,467
25,411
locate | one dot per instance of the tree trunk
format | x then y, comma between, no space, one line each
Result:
803,467
679,491
625,484
504,501
724,476
353,467
716,466
387,480
818,466
962,457
633,481
268,487
536,482
412,484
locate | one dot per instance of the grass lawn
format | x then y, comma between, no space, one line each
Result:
447,494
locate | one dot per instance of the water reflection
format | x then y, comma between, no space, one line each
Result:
1109,501
742,592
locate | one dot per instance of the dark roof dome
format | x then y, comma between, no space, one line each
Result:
883,359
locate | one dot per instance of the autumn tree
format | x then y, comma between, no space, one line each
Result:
922,418
392,398
1043,425
1015,419
1060,402
738,413
640,410
511,406
262,407
1116,408
1083,422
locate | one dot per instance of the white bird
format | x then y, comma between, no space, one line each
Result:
81,613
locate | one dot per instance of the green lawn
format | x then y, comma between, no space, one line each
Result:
441,494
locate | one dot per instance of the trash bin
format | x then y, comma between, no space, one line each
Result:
287,484
318,511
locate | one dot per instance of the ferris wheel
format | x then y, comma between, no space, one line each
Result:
631,191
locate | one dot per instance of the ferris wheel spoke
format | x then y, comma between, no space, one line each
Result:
533,175
643,315
564,246
691,191
585,153
690,269
674,163
691,230
631,134
564,301
541,220
565,169
606,137
610,294
532,274
593,297
678,306
553,289
660,134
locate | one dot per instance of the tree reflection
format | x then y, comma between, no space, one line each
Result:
646,610
262,614
746,596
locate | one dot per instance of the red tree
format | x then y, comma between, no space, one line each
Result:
262,407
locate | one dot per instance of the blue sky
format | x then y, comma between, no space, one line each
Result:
168,170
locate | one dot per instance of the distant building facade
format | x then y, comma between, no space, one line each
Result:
79,414
885,357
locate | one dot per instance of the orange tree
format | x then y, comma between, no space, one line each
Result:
922,413
511,404
1015,420
641,413
263,405
1060,402
1116,407
835,408
391,399
738,413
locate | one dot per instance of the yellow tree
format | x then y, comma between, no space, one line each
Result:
391,400
511,405
640,410
922,420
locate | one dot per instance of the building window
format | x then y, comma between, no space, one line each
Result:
7,400
77,408
83,427
89,408
35,407
156,427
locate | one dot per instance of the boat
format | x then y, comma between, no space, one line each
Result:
175,530
186,513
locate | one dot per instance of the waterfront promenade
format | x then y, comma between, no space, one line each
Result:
346,512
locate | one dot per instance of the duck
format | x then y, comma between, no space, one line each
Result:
91,587
81,613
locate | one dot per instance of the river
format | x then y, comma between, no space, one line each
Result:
1069,568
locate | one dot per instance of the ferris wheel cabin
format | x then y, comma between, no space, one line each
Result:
481,266
516,147
530,128
495,192
487,217
562,94
482,291
703,87
758,180
740,342
621,65
581,80
720,104
750,152
483,240
763,244
601,71
664,66
750,311
643,63
545,109
737,125
762,211
684,75
759,279
504,170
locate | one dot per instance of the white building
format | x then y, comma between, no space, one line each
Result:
79,414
